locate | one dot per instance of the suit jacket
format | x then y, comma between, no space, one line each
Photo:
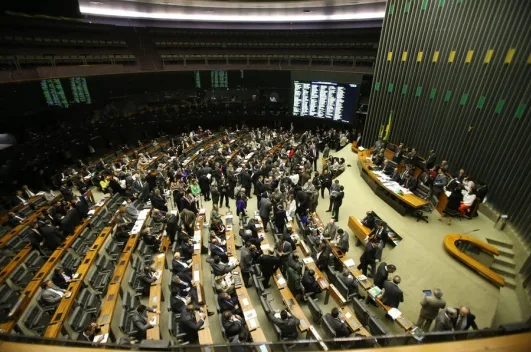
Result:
343,243
331,230
268,264
287,327
393,295
246,260
430,306
35,238
178,267
189,325
349,282
147,278
227,304
220,268
338,326
176,302
141,323
52,237
443,322
295,264
232,326
309,282
218,250
470,321
265,208
51,297
381,275
323,258
59,281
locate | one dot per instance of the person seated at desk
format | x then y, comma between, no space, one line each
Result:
19,198
147,278
14,219
150,239
157,201
378,159
104,184
130,210
224,283
468,201
218,228
219,267
139,317
181,268
337,323
158,216
189,325
233,324
314,237
217,249
187,249
392,295
214,215
410,183
310,284
396,175
287,324
182,294
52,294
294,262
454,203
323,256
369,220
123,221
89,333
61,278
226,302
349,281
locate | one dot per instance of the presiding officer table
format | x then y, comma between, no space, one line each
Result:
402,203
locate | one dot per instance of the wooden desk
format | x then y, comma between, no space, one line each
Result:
360,231
409,200
18,229
35,284
113,291
279,280
155,297
450,246
292,305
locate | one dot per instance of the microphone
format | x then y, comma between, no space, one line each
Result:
466,233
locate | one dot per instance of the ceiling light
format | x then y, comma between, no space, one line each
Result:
111,12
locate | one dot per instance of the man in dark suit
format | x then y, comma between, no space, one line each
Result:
216,249
348,280
464,320
19,199
323,256
310,284
338,325
147,277
287,324
189,325
89,332
60,278
392,295
181,268
232,323
341,241
52,237
35,237
139,318
382,274
226,302
269,263
14,219
368,257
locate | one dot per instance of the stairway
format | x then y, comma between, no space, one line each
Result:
143,47
504,263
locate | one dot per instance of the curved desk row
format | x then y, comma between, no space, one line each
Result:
402,203
450,242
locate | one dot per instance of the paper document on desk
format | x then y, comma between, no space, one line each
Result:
197,246
161,255
374,291
75,276
250,314
253,324
277,315
245,302
91,212
281,281
265,247
153,321
232,260
197,276
101,338
349,263
307,260
361,278
394,313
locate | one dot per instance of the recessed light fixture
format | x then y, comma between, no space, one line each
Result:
113,12
306,11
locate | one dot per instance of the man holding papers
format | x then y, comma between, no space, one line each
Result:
140,320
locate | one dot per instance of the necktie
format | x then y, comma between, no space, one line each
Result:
460,323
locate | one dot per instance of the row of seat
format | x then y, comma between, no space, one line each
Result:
65,59
201,44
34,40
263,56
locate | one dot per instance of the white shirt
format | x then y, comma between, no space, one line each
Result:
469,199
60,293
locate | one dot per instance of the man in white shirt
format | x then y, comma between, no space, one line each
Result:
52,294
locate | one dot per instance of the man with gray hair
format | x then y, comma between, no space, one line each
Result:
430,308
443,322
